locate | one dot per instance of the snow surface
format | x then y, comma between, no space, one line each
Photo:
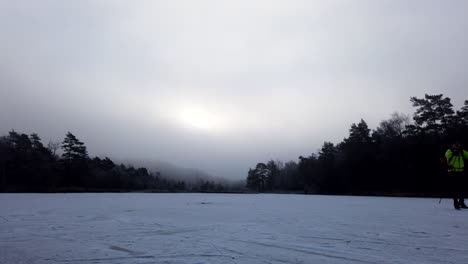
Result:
229,228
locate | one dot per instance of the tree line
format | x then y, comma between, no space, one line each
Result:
400,157
27,165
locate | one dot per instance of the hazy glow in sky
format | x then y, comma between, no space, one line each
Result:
200,119
221,85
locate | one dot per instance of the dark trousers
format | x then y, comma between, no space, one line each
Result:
457,185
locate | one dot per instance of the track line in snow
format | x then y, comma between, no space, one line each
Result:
305,251
101,259
121,249
406,245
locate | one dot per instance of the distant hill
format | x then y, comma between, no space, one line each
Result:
191,176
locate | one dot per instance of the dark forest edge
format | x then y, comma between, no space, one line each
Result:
26,165
398,158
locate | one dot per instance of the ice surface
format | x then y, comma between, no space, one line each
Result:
229,228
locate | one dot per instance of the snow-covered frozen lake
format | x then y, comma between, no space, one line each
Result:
229,228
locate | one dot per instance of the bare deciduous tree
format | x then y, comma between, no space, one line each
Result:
53,146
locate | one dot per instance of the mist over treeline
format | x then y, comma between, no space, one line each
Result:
26,164
191,176
403,155
400,157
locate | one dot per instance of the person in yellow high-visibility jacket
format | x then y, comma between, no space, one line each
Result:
456,158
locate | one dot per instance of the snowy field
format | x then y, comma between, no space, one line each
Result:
224,228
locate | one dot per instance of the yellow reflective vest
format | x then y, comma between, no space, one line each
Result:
456,163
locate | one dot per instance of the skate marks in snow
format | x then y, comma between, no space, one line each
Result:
99,260
176,258
318,252
233,229
346,250
126,255
125,250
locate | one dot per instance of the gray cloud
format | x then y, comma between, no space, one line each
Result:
222,85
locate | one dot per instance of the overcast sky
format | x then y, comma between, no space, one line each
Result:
222,85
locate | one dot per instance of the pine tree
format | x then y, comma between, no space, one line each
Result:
73,149
36,142
252,180
434,114
359,133
463,114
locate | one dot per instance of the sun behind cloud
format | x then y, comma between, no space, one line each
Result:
199,118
